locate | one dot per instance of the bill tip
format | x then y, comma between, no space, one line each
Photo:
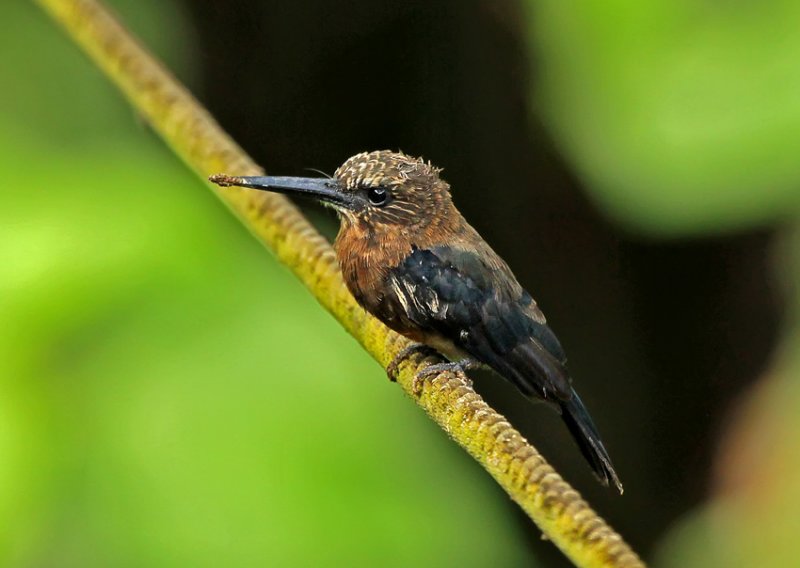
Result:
223,180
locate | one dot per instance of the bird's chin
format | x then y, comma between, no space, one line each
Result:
346,216
340,211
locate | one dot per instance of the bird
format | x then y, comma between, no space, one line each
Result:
409,258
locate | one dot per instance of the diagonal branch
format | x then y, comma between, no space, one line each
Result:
559,511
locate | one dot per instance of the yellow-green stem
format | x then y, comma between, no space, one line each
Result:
192,133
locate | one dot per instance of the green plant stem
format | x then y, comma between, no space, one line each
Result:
558,510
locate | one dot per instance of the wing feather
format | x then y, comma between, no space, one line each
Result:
454,294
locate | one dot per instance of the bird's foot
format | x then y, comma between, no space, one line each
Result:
414,349
461,367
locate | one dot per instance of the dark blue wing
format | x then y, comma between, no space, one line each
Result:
474,302
483,311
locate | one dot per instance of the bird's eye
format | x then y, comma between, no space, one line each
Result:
377,195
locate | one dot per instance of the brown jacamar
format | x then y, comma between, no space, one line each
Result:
411,260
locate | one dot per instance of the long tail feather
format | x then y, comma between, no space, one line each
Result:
586,436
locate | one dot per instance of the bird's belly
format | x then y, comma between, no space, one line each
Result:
443,346
377,297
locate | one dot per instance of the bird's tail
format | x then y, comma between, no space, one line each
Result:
586,436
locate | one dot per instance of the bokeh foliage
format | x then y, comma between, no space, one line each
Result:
683,116
752,518
170,395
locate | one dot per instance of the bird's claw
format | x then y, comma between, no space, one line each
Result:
456,367
416,348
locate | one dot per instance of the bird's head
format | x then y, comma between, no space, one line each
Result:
371,189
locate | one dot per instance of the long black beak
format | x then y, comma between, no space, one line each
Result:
321,189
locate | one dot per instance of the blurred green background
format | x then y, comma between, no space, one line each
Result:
170,396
